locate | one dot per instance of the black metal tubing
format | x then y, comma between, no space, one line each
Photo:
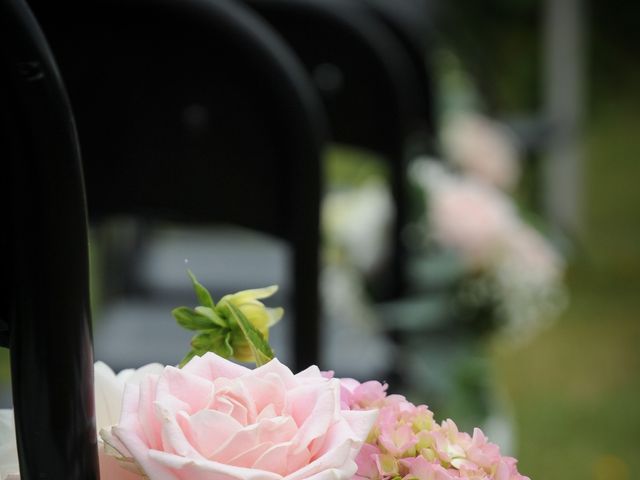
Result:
45,250
251,154
372,105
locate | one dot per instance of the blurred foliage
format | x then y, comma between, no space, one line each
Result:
576,387
499,42
615,47
347,167
4,366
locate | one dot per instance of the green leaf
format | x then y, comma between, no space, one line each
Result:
227,341
212,315
204,297
191,319
260,348
216,341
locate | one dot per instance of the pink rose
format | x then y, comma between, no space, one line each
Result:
214,419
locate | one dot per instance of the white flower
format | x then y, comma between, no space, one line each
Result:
108,390
109,387
8,450
530,258
528,277
358,221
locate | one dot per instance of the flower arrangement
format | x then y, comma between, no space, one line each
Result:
469,223
508,264
211,418
478,269
406,442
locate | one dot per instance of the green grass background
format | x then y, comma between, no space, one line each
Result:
576,388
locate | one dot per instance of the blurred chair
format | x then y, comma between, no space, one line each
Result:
195,111
370,87
413,22
44,304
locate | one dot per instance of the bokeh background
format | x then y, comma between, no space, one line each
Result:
574,388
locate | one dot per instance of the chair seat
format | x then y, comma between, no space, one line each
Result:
226,259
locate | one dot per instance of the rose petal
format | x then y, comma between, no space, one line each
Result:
141,453
198,429
110,469
138,409
361,421
242,441
232,407
339,457
266,390
277,429
107,394
180,390
274,459
189,469
211,366
313,373
173,437
132,375
248,458
316,422
283,372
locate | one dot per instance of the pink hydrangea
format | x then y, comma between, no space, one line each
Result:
407,443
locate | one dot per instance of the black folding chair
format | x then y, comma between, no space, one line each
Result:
195,111
413,23
369,87
44,306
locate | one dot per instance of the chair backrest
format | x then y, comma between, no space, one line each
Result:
367,84
196,111
45,301
413,23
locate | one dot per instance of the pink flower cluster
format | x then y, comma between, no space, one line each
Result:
407,443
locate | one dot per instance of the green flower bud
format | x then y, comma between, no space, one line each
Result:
260,316
237,327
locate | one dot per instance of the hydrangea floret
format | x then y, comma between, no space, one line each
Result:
406,443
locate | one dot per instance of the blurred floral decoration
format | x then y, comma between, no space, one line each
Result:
509,267
480,266
357,212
